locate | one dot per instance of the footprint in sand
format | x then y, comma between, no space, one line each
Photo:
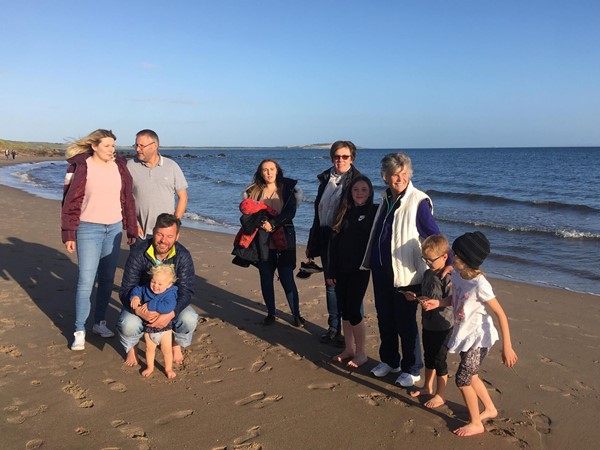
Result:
268,401
82,431
251,398
541,422
550,361
508,435
174,416
409,426
257,365
33,444
78,393
251,433
114,385
76,364
213,381
546,388
24,415
129,430
10,350
329,386
374,398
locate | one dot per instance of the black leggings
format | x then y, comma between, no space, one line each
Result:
350,289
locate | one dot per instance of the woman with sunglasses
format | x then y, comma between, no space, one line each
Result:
333,186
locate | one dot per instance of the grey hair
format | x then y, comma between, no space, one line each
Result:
394,161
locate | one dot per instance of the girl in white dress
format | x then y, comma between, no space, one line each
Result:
474,331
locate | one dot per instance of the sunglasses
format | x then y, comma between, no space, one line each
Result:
344,157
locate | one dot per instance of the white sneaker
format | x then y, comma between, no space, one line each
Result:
102,329
79,341
407,380
382,369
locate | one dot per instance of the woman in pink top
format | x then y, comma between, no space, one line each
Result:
97,204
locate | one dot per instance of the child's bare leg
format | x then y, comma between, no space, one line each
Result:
348,343
475,426
166,347
438,398
150,355
427,386
131,358
360,335
177,353
489,409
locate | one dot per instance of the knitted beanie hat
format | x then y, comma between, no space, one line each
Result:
472,248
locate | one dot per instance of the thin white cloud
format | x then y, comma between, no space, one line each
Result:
169,101
149,66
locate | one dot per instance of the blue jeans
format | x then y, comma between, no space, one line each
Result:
396,316
98,253
266,269
334,311
131,328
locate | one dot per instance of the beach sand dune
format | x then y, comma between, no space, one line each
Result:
247,386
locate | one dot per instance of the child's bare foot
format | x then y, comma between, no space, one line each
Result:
488,414
470,429
435,402
131,358
357,361
170,374
420,392
147,372
342,356
177,354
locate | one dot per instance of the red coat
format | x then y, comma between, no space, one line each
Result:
74,191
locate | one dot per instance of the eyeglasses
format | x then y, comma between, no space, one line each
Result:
344,157
430,261
140,146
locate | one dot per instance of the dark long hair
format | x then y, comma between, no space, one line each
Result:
255,189
348,203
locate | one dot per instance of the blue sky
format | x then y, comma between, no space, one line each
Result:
393,74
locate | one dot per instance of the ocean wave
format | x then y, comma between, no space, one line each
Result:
561,233
194,218
502,200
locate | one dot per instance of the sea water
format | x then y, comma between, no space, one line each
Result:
539,207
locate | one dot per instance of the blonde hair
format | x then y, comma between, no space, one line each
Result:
437,243
468,273
164,268
84,145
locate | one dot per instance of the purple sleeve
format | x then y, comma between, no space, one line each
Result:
426,225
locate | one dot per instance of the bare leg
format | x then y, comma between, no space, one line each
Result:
166,347
348,343
427,386
360,334
489,409
177,353
475,426
438,398
150,355
131,358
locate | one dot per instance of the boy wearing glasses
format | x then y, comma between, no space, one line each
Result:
437,323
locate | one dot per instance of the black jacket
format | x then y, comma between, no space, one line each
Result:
139,263
259,248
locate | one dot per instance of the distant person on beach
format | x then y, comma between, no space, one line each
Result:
7,153
156,182
333,186
351,230
159,295
97,204
436,323
474,332
274,245
162,248
403,221
14,154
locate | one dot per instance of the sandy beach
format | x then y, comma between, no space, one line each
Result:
247,386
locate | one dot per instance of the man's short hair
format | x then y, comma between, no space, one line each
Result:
150,133
166,220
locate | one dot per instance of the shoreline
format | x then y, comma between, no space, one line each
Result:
192,225
254,387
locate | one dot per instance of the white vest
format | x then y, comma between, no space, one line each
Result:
407,265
